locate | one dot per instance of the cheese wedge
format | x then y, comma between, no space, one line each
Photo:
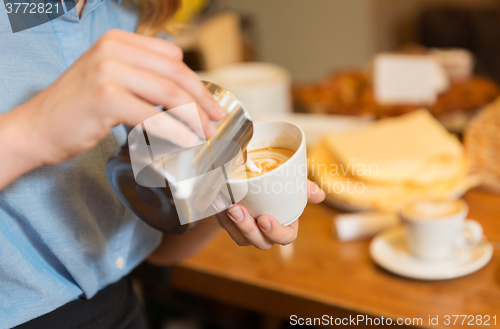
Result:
350,193
411,149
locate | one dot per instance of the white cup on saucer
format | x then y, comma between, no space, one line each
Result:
281,192
436,227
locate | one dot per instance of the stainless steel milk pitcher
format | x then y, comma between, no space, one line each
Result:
172,192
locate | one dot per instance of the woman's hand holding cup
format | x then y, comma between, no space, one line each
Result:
270,203
265,231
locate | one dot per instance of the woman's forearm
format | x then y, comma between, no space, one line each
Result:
175,248
17,145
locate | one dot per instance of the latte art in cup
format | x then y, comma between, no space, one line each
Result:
435,228
268,159
280,190
433,209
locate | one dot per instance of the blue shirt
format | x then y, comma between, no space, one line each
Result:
63,233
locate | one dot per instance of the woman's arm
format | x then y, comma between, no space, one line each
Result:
119,79
175,248
244,230
17,155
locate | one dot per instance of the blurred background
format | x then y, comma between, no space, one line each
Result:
310,38
326,65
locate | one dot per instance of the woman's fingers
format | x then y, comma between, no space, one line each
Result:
314,193
266,230
122,107
226,223
247,225
157,91
126,108
152,44
207,130
277,233
183,76
263,233
188,80
169,67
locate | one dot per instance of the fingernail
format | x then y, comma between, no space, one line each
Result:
192,140
219,110
211,130
265,224
219,203
235,213
320,190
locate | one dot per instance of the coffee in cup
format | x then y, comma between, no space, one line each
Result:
435,228
428,210
268,159
280,189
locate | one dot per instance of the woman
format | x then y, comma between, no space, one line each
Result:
66,242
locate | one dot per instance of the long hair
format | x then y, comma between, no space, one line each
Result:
155,15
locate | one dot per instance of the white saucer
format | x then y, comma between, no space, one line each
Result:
389,250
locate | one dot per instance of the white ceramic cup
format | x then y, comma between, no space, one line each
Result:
436,227
281,192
